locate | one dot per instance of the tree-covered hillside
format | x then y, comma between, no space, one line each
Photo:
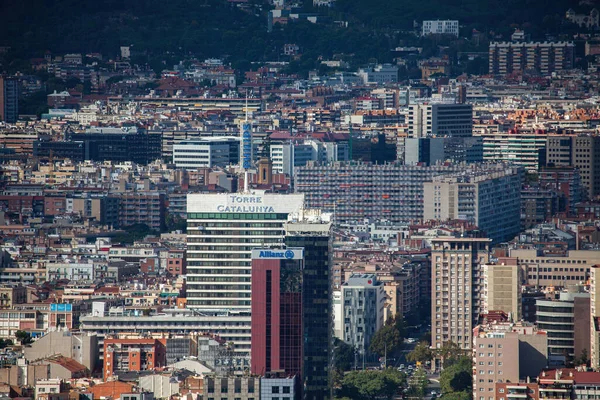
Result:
214,28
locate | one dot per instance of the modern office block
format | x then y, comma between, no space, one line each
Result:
290,308
440,119
222,230
206,152
9,99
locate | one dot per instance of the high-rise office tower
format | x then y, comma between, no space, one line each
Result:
222,230
456,268
291,307
9,99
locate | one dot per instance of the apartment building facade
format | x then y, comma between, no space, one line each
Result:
440,119
543,57
492,201
457,285
354,191
581,152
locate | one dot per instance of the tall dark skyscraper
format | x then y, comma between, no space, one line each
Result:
9,99
291,307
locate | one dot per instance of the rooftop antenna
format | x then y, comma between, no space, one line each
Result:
245,125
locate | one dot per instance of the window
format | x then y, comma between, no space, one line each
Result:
275,389
501,390
286,389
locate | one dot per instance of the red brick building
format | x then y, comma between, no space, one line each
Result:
133,355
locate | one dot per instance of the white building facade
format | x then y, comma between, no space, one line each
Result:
437,27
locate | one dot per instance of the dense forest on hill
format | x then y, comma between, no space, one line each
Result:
217,28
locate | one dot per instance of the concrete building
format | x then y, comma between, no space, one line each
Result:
456,265
133,355
515,390
379,74
566,181
206,152
502,287
542,57
275,388
291,317
287,156
222,231
394,191
231,388
524,149
437,27
425,150
143,207
71,271
581,152
361,312
440,119
559,270
119,144
557,318
12,295
81,347
506,352
594,349
491,201
9,99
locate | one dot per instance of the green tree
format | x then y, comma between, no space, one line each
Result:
366,385
421,353
418,383
23,337
449,353
386,340
343,355
583,358
134,233
457,377
456,396
4,343
175,223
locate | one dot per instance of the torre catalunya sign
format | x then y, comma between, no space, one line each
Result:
245,204
257,202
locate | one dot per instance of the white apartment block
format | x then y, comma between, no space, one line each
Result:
360,311
287,156
437,27
206,152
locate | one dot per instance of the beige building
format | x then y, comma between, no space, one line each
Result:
502,287
80,347
581,152
555,270
595,317
490,200
506,352
456,265
11,295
